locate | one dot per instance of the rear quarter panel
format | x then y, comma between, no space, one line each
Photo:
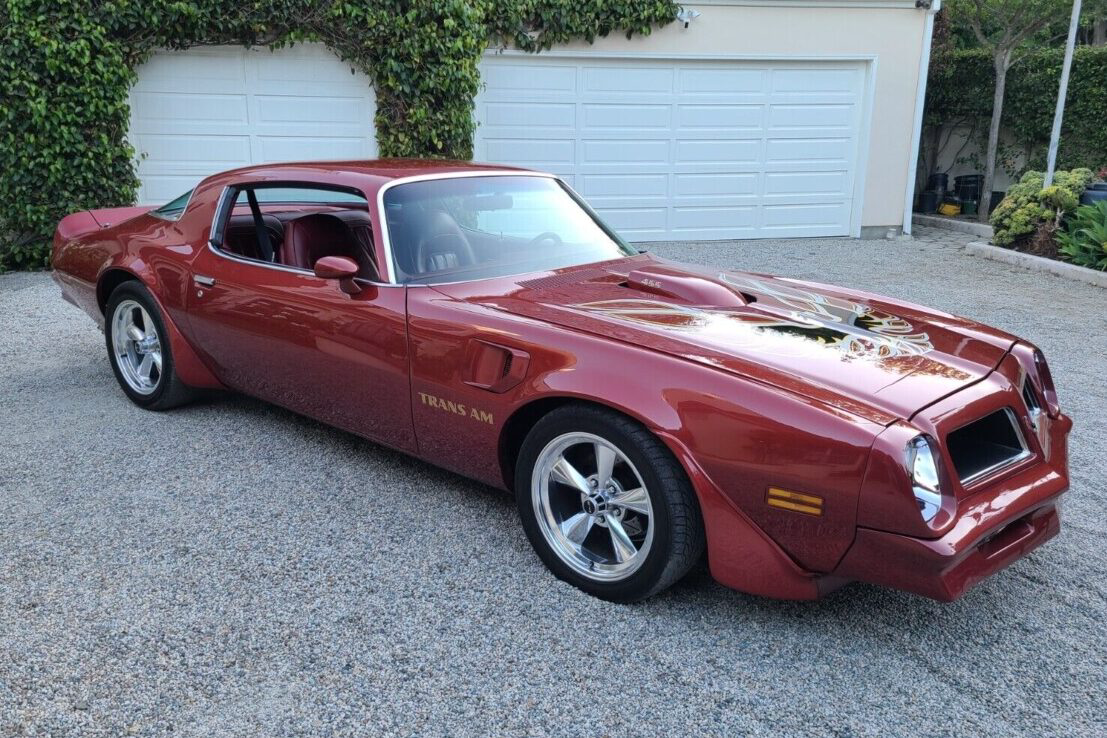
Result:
88,258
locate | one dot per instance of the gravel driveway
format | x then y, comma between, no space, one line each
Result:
233,569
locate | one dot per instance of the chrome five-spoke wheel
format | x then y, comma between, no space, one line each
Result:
592,506
137,347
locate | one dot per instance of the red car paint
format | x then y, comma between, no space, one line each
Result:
752,381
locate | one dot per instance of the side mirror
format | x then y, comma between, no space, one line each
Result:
342,268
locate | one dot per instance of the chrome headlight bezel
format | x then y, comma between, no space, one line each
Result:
925,475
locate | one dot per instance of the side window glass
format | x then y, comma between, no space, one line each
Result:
295,226
175,208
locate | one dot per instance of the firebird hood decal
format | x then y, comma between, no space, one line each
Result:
853,330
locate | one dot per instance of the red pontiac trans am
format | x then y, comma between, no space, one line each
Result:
643,412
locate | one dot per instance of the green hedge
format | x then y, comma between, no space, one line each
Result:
961,89
66,67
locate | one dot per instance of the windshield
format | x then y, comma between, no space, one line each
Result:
465,228
173,209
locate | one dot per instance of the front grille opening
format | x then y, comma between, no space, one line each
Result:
985,445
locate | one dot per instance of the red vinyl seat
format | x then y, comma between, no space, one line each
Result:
311,237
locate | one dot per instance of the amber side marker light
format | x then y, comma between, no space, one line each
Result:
795,501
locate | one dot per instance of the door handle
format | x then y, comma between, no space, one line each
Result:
204,281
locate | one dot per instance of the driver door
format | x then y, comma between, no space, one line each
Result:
282,334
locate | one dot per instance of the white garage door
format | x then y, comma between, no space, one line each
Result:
682,149
201,111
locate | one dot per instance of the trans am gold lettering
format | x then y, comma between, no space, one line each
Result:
456,408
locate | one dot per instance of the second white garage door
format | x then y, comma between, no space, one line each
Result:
685,149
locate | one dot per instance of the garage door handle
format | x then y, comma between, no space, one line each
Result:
204,281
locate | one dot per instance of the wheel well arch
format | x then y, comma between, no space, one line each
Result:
519,424
107,283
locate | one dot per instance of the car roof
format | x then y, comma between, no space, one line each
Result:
357,170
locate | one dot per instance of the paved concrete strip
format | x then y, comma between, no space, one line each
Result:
981,230
1038,263
231,569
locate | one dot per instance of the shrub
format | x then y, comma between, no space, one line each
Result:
1027,205
1084,239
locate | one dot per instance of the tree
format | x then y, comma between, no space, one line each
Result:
1004,28
1095,15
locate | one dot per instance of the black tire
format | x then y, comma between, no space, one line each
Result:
169,391
678,536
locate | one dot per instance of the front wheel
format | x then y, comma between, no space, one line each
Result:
138,347
605,504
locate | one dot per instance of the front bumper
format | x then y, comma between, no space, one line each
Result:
993,529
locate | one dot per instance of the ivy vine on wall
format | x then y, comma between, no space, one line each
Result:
66,67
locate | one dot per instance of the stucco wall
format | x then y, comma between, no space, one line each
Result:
957,148
893,37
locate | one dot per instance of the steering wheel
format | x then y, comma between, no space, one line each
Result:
440,231
547,236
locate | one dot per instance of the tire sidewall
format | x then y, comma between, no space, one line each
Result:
643,580
133,290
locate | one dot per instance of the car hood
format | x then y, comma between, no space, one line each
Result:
873,356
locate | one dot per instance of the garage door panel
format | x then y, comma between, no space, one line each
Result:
163,110
720,117
833,116
201,111
508,80
624,185
700,217
631,80
807,183
821,81
194,151
514,115
636,222
715,185
530,152
201,72
808,215
626,117
806,149
311,114
733,82
626,152
286,148
166,187
718,151
696,149
299,64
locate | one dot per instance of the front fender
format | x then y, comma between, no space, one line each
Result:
736,437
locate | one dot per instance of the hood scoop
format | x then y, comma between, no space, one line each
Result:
686,287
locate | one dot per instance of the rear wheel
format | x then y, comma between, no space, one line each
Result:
138,347
605,504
